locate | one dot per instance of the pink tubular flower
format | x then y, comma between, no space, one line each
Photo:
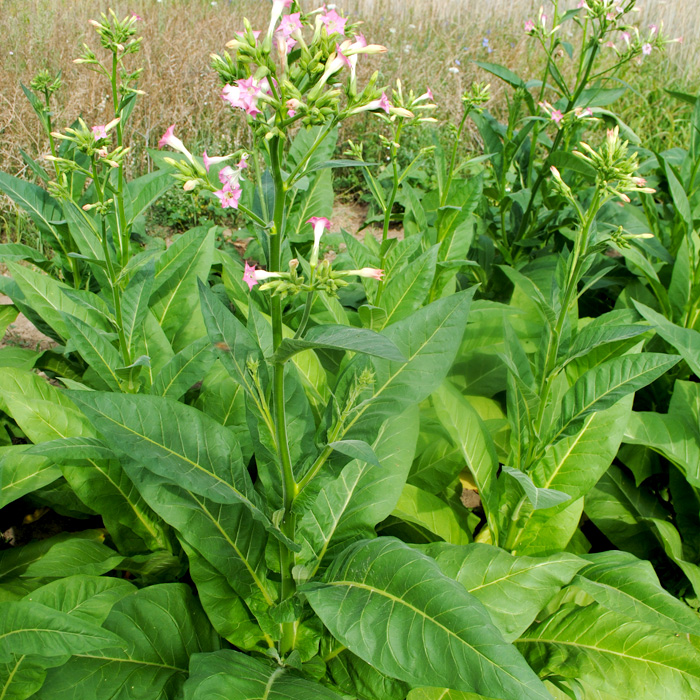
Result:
251,276
369,272
334,23
99,132
136,17
320,224
292,107
289,25
209,161
557,116
229,177
229,197
653,29
246,93
646,49
529,26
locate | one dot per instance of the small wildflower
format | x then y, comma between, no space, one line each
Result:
229,197
320,224
529,26
334,23
646,49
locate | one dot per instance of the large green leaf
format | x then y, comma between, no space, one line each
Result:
75,556
32,628
223,534
606,384
628,659
175,441
685,340
468,433
85,597
348,508
621,582
187,368
23,676
513,589
46,298
162,626
340,338
359,679
226,674
45,413
406,291
392,607
432,513
442,694
37,202
21,473
429,339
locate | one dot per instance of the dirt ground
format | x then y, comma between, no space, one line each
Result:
23,334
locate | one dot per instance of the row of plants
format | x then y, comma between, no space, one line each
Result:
462,463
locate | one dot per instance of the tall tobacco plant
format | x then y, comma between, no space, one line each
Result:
276,451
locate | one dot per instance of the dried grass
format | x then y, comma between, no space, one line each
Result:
426,37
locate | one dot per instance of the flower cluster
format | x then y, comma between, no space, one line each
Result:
616,169
322,276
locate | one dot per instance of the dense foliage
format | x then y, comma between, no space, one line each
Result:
462,463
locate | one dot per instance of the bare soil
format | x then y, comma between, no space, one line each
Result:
23,334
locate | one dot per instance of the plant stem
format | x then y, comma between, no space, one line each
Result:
289,486
122,228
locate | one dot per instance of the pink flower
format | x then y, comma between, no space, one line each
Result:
369,272
136,17
243,162
99,132
169,139
529,26
292,107
581,4
246,93
229,177
653,29
626,37
557,116
320,224
249,276
209,161
646,49
289,25
256,34
229,197
334,23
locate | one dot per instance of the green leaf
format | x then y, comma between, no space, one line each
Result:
177,442
348,507
162,625
406,291
392,607
96,350
432,513
31,628
359,679
45,296
540,499
670,436
45,413
225,535
228,674
429,339
37,202
357,449
135,302
606,384
513,589
72,449
627,585
23,676
21,473
625,658
77,556
143,191
685,340
673,546
12,252
468,433
442,694
607,328
188,367
340,338
86,597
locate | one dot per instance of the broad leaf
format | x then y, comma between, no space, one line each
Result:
340,338
162,627
513,589
540,499
228,674
187,368
21,473
393,608
628,659
621,582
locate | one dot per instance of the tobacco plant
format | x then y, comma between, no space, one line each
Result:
310,478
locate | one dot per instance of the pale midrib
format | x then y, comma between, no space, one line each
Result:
401,601
18,663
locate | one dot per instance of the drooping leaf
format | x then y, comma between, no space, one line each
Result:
21,473
162,626
229,674
340,338
393,608
627,659
621,582
606,384
357,449
187,368
540,499
513,589
34,629
432,513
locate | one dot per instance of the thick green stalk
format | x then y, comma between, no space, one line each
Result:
122,228
289,486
